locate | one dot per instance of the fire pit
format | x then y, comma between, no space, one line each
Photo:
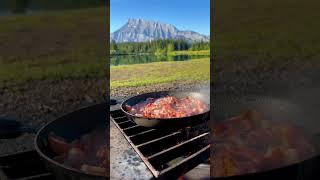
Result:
169,153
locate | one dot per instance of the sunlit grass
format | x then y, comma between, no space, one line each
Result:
267,31
21,72
70,49
159,72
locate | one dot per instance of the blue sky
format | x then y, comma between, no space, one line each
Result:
184,14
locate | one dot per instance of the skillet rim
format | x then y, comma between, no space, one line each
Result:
55,163
159,92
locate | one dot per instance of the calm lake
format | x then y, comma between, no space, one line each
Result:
9,7
140,59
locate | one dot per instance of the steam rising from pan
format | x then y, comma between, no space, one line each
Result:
205,93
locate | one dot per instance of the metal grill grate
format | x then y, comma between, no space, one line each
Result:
23,166
167,153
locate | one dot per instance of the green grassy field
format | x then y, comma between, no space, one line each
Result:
160,72
267,30
55,45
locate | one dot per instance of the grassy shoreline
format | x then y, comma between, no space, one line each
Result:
173,53
159,73
201,52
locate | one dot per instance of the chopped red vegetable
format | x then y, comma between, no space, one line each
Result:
89,153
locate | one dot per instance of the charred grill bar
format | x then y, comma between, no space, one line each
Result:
168,153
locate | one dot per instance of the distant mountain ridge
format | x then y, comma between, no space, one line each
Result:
139,30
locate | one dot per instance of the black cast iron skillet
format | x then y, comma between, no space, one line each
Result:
71,126
298,113
171,122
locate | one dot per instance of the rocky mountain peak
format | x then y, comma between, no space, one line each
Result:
140,30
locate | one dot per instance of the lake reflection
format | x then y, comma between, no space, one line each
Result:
141,59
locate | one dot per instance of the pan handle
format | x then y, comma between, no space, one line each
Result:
10,129
110,100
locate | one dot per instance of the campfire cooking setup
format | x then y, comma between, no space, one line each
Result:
167,133
75,146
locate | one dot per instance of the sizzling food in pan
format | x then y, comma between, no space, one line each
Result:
250,143
168,107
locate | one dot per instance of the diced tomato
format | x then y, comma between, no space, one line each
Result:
58,145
